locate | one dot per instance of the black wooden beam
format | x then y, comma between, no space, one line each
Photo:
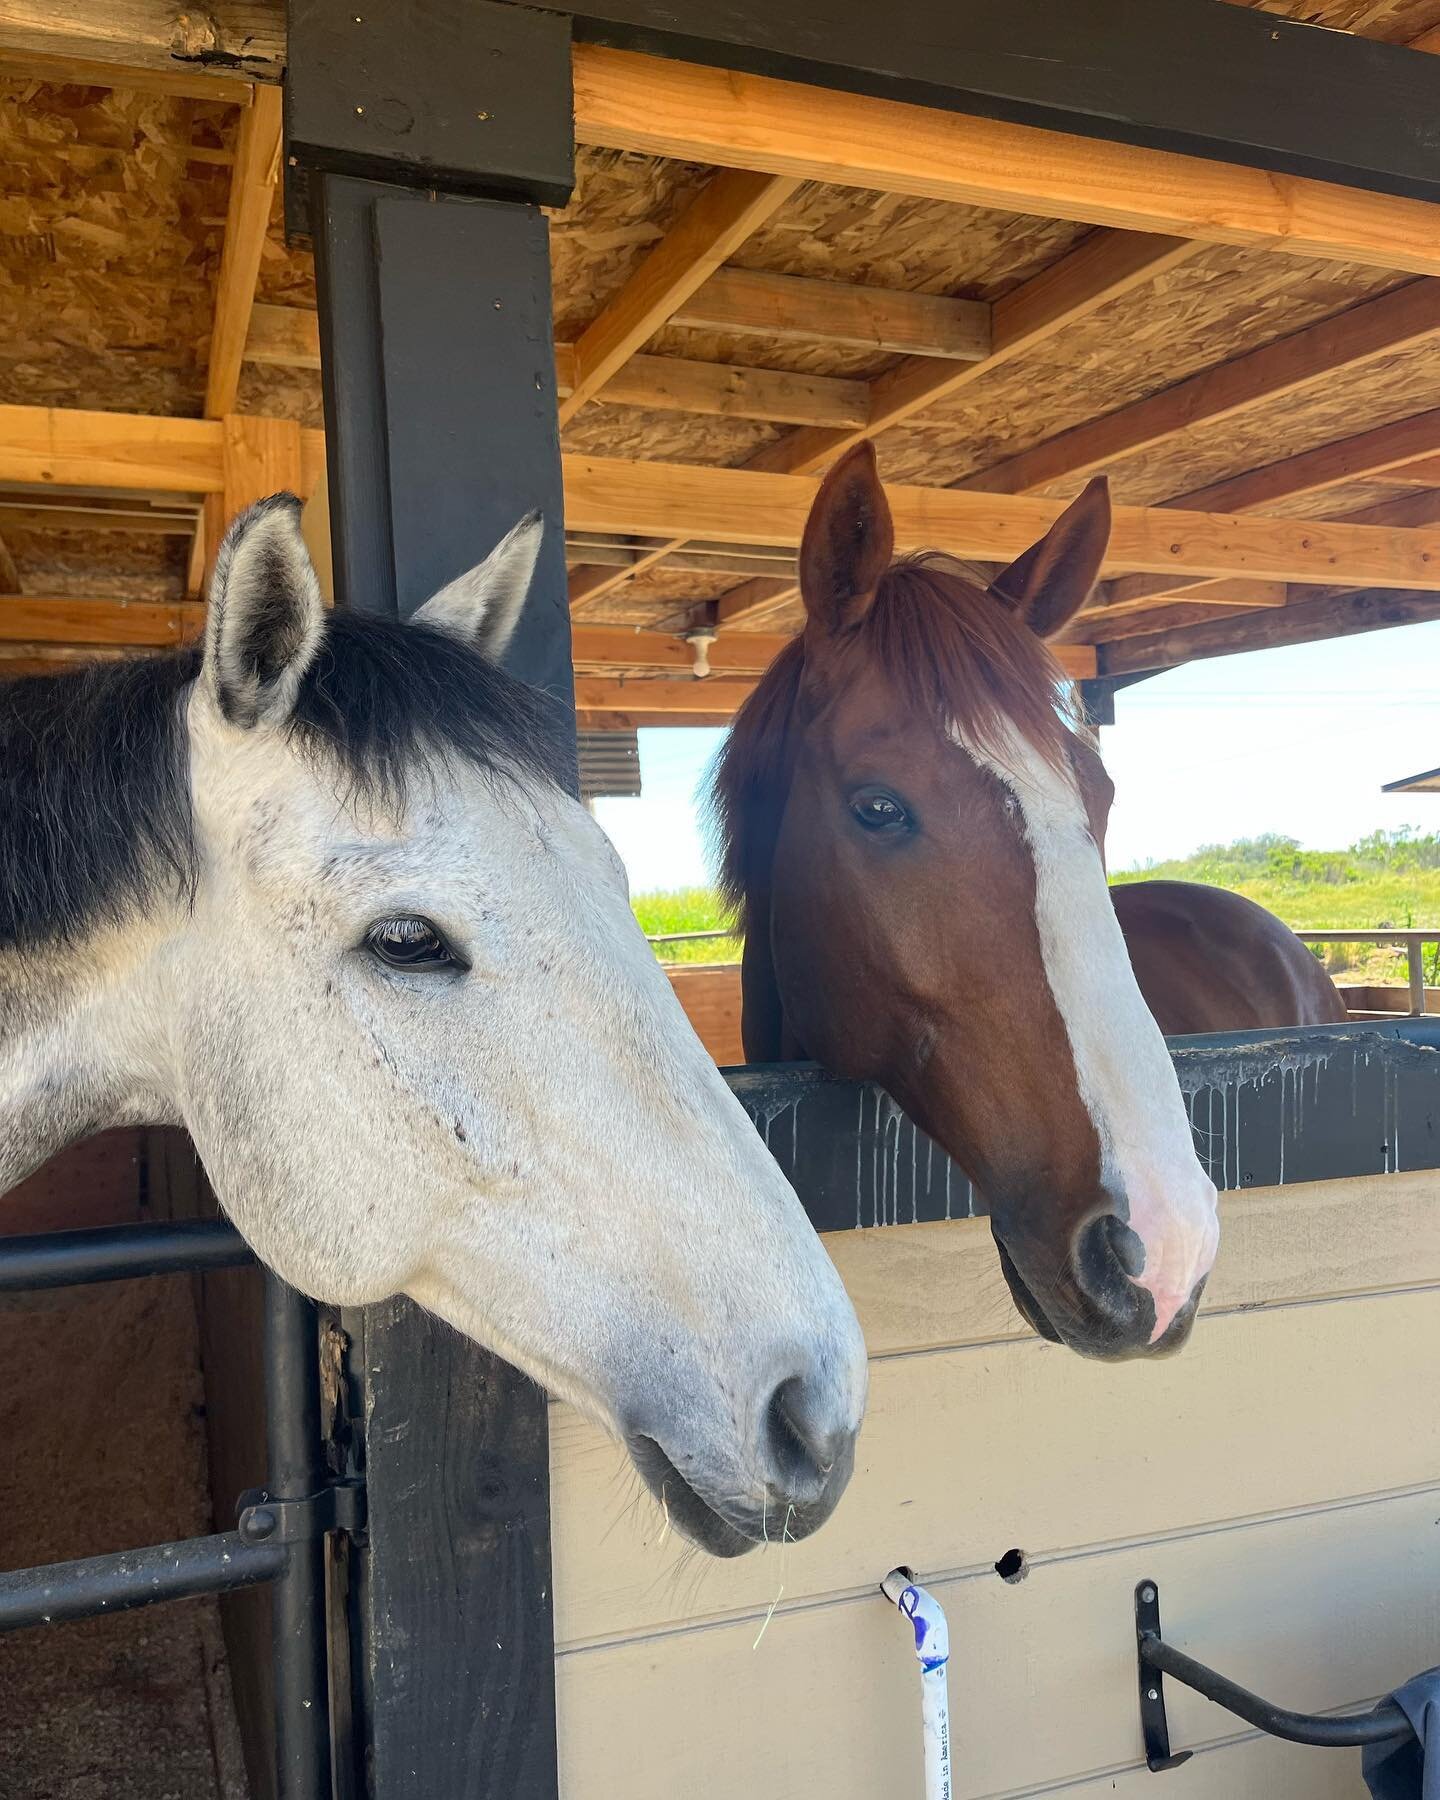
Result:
1197,76
462,96
442,432
436,322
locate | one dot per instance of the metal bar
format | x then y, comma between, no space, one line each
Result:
1379,935
117,1253
57,1592
691,937
295,1452
1381,1723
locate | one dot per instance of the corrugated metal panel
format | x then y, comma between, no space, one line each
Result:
609,765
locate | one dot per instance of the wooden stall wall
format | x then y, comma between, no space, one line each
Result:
1271,1478
710,994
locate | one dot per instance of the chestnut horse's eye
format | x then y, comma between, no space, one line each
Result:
877,810
411,943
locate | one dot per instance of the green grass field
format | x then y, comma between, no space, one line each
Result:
1388,881
686,909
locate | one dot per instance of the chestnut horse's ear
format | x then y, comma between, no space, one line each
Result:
848,545
1049,584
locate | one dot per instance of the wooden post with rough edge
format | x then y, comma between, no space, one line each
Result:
441,421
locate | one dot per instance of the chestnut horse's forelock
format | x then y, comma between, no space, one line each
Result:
951,651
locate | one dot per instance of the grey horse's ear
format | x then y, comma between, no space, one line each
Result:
266,617
482,606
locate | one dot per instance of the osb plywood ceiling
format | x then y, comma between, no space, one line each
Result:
827,309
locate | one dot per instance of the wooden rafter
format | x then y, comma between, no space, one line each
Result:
41,620
78,71
753,599
1104,266
720,218
742,653
894,321
228,43
1100,269
58,447
1329,615
139,521
9,574
718,117
52,446
1367,454
1396,321
252,191
289,337
744,506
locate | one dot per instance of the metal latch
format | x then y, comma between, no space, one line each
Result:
339,1506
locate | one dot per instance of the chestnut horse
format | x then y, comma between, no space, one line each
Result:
1210,960
912,823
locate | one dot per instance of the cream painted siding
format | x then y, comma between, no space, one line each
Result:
1273,1479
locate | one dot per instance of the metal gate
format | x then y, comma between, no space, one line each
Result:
280,1529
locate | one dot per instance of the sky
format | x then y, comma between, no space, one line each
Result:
1296,740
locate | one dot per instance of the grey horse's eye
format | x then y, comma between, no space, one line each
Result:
411,943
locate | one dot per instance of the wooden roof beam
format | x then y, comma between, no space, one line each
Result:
1330,615
888,320
753,600
1366,455
289,337
252,191
652,499
742,653
175,81
216,51
139,623
742,506
663,108
726,211
1363,334
1104,266
43,446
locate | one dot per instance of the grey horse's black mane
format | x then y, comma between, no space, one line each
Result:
94,777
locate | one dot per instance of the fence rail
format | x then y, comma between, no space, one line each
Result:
1414,943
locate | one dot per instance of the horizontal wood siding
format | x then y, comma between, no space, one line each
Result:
1271,1478
711,998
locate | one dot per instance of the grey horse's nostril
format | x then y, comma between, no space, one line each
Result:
804,1446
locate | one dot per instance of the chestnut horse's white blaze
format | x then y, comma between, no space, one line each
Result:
1124,1072
384,969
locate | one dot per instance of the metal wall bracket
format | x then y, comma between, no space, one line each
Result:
1154,1726
1157,1659
338,1507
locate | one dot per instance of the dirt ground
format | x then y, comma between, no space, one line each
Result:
102,1448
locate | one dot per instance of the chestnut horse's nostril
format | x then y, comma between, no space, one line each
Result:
806,1442
1126,1245
1109,1256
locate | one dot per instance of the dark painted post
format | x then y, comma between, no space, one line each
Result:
426,137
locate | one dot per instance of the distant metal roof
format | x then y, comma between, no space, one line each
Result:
1428,783
609,765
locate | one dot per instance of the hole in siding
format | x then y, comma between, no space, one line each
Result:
1013,1566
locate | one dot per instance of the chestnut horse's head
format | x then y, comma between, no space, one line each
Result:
914,822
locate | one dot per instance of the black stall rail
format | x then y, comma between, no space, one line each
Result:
279,1530
1157,1659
